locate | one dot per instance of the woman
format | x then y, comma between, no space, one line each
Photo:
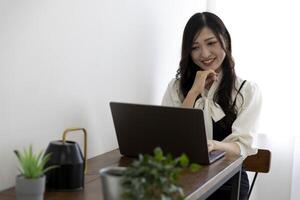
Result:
206,80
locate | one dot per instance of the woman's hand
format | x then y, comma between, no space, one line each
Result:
203,79
212,145
231,148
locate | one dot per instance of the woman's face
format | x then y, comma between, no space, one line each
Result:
207,51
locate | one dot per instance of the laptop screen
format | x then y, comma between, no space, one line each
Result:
141,128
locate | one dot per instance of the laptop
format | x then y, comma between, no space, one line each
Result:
141,128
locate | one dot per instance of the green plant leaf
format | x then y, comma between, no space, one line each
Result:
32,165
158,154
195,167
184,160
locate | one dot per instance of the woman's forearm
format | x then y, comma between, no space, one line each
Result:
189,100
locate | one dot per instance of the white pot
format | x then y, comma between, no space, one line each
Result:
111,178
30,189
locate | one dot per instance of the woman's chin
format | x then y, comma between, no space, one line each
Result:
214,68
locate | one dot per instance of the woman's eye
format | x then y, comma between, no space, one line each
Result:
194,48
211,43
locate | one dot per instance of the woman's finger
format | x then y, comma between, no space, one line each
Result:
210,145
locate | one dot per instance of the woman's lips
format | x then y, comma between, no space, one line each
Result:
208,62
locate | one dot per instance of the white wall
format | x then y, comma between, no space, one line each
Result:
276,184
295,193
62,61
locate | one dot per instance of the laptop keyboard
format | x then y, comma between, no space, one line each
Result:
215,154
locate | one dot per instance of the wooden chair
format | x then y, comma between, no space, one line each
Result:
258,163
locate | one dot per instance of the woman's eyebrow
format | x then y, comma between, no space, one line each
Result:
210,38
207,39
195,43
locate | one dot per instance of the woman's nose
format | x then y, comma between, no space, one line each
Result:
205,53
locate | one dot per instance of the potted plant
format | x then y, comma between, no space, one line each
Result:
30,184
151,177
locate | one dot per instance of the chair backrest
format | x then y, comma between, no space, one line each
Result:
259,162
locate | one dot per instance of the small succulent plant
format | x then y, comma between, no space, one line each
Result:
32,166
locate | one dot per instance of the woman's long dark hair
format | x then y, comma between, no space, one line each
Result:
187,69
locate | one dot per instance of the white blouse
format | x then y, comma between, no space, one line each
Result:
243,128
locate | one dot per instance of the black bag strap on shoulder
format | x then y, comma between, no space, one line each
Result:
239,90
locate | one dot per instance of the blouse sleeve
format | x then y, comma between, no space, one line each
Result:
244,128
171,96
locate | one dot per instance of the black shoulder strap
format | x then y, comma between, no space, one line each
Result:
238,92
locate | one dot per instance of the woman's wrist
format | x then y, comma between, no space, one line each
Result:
193,94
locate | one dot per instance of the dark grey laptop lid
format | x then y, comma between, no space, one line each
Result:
141,128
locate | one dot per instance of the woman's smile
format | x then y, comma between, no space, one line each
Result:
208,62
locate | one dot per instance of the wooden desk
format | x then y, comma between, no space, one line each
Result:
197,185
